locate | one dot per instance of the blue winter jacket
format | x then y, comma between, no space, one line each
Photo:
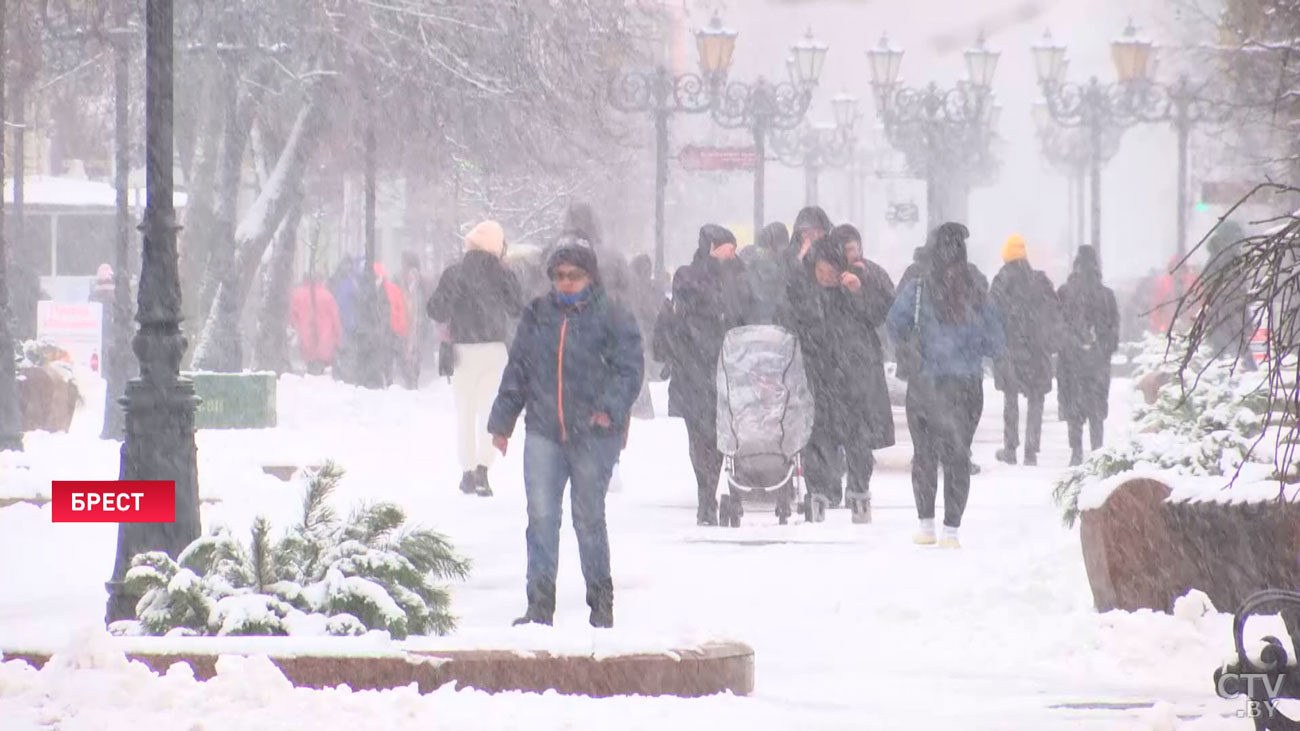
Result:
568,363
947,349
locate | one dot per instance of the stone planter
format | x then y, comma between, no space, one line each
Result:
1142,550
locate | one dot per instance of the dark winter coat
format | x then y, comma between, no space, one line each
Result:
476,298
766,266
1031,317
844,358
568,363
709,298
1091,336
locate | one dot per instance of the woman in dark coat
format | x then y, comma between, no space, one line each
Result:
837,315
1091,338
710,296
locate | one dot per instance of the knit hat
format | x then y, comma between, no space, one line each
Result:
1014,248
489,237
574,252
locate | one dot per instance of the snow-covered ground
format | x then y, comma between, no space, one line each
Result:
853,626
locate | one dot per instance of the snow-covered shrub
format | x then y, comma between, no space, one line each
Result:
369,572
1210,427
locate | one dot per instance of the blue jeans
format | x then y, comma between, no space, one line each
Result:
588,464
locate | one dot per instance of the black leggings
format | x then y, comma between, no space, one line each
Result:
941,415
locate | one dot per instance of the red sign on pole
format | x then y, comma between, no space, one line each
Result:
693,157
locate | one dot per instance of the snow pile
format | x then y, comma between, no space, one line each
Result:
342,578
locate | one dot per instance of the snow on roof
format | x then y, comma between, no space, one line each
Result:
40,190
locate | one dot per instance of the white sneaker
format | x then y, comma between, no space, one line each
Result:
924,535
949,538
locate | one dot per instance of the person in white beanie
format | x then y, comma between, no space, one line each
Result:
476,298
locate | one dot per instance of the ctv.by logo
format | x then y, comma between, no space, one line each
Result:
1235,684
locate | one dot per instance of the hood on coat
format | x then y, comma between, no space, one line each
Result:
774,236
711,237
810,217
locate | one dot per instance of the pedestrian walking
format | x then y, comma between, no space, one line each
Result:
1091,337
475,298
1031,317
710,296
952,324
836,319
766,266
575,366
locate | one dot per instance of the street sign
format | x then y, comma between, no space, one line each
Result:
693,157
902,214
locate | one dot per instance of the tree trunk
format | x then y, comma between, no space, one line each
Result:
199,221
219,348
225,210
272,351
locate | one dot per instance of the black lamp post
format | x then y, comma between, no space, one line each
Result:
946,134
663,94
1069,151
815,147
763,107
1101,111
159,405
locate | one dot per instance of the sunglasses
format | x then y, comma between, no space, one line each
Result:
573,275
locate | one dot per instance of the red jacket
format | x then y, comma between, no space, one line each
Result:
396,309
318,335
1168,288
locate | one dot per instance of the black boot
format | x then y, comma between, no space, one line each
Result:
541,604
481,486
1007,455
467,483
1076,457
705,515
1031,459
601,600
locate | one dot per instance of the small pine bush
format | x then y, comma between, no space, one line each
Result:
371,571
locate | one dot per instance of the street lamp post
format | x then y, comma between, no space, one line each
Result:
815,147
946,134
1099,110
159,405
1185,106
763,107
663,94
1069,150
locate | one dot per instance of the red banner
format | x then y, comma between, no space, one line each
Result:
113,501
718,158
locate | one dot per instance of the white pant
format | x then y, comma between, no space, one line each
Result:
474,381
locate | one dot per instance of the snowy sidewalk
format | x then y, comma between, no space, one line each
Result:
853,626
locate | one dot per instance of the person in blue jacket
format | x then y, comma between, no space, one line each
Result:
957,327
575,365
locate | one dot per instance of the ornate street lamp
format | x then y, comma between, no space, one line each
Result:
663,94
1068,151
159,405
946,134
1182,104
815,147
763,107
1100,111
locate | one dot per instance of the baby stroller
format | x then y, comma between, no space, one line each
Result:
765,419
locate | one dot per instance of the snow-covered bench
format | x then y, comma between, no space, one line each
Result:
1266,672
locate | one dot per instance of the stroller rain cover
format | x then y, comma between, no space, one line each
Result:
764,403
